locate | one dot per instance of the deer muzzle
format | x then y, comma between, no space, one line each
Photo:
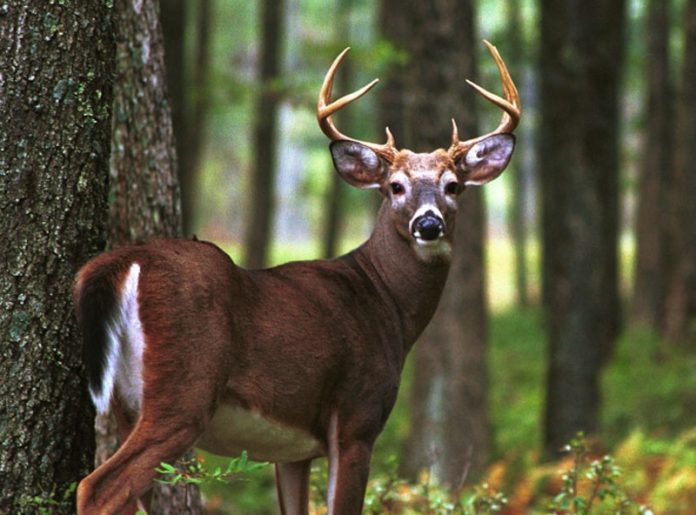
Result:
428,227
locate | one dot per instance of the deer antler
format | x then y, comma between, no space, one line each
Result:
325,108
510,104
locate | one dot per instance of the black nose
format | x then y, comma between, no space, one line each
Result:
428,227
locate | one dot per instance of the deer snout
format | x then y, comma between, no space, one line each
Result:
428,227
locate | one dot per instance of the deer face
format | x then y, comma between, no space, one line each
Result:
421,190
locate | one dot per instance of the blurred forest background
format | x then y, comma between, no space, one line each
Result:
571,304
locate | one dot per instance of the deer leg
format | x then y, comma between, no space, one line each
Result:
349,467
128,474
292,484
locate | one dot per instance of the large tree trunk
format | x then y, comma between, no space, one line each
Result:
144,188
581,60
450,430
650,281
57,65
680,317
260,225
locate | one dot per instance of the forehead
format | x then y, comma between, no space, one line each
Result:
420,165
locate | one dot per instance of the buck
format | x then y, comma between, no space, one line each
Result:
290,363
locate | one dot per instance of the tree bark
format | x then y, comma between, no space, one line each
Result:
680,316
144,187
652,221
450,430
581,60
57,66
260,224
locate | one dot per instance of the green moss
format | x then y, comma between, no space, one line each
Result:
18,325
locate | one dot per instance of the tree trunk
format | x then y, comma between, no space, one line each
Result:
189,108
391,107
517,223
581,59
144,188
333,211
680,316
649,287
57,66
450,431
260,224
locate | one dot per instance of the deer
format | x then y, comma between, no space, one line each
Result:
291,363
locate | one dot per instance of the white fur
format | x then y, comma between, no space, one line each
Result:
234,429
427,250
126,342
333,462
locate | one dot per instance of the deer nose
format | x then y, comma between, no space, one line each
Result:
428,227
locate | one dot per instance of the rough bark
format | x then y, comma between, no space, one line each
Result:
581,59
450,431
260,224
144,191
652,221
56,65
680,315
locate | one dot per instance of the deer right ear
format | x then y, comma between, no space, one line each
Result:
359,165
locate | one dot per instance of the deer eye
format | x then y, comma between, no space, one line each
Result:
396,188
451,188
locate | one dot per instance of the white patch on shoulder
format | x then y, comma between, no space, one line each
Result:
126,342
234,429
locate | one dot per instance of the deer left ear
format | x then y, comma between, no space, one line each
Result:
359,165
486,160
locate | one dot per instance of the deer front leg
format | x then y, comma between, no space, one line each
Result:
292,483
349,467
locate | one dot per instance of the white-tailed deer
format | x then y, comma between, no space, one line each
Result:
290,363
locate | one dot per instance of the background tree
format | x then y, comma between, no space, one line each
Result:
680,321
449,420
260,225
515,50
581,56
656,172
188,92
144,188
333,210
57,65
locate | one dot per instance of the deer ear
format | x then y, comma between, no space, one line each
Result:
486,160
357,164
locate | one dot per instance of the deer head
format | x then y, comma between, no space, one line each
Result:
421,189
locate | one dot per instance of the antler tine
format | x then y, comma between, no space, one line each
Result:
511,105
325,108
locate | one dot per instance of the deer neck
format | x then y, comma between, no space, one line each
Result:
413,284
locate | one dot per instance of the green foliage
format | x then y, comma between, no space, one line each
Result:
592,484
47,504
196,473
